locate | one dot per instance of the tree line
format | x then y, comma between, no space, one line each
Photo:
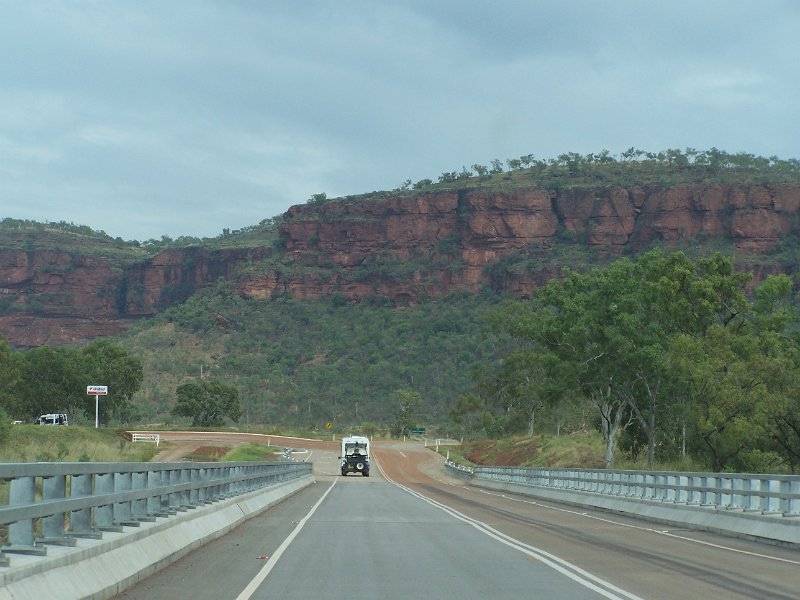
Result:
672,358
47,380
603,164
53,380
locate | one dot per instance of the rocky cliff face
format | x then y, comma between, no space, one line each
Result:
59,297
454,238
401,248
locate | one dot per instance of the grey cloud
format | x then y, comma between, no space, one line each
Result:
185,117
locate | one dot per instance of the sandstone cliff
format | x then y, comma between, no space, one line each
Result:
400,248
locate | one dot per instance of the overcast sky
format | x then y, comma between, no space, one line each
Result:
184,117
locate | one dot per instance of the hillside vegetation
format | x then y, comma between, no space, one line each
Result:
307,364
484,368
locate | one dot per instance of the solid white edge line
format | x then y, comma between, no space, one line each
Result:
256,582
573,572
664,532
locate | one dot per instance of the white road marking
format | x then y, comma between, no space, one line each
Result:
640,528
578,575
251,588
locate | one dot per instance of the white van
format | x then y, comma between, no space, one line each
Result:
52,419
355,455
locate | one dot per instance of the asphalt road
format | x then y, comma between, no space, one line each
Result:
417,533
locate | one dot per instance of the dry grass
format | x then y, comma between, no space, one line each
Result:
40,443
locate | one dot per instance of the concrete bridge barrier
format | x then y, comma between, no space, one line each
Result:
760,507
71,539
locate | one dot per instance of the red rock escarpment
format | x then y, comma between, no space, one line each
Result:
402,248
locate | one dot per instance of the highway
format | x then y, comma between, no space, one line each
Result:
411,531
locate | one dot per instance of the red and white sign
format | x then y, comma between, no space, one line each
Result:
97,390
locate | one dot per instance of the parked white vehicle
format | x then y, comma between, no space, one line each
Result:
355,455
52,419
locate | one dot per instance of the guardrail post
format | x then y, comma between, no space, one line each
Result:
175,497
122,510
238,485
80,521
695,493
104,515
139,509
773,501
738,498
185,495
202,492
624,484
195,475
640,490
671,493
606,486
725,498
709,494
793,504
754,498
156,503
53,527
22,490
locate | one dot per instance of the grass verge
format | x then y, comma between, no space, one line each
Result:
40,443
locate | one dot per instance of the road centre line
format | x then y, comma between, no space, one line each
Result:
256,582
578,575
663,532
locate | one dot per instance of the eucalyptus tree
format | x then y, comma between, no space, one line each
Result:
662,296
9,376
563,323
50,381
742,374
208,403
607,332
104,363
406,406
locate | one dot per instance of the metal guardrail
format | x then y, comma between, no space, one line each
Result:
56,503
773,495
458,470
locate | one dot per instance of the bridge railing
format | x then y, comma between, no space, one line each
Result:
774,495
56,503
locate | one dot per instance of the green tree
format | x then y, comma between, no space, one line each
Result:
405,412
207,403
742,375
663,296
9,376
50,381
726,391
467,411
104,363
606,333
5,426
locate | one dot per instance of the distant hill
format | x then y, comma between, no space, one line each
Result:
483,228
470,238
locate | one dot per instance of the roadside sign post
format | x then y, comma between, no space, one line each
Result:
97,391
